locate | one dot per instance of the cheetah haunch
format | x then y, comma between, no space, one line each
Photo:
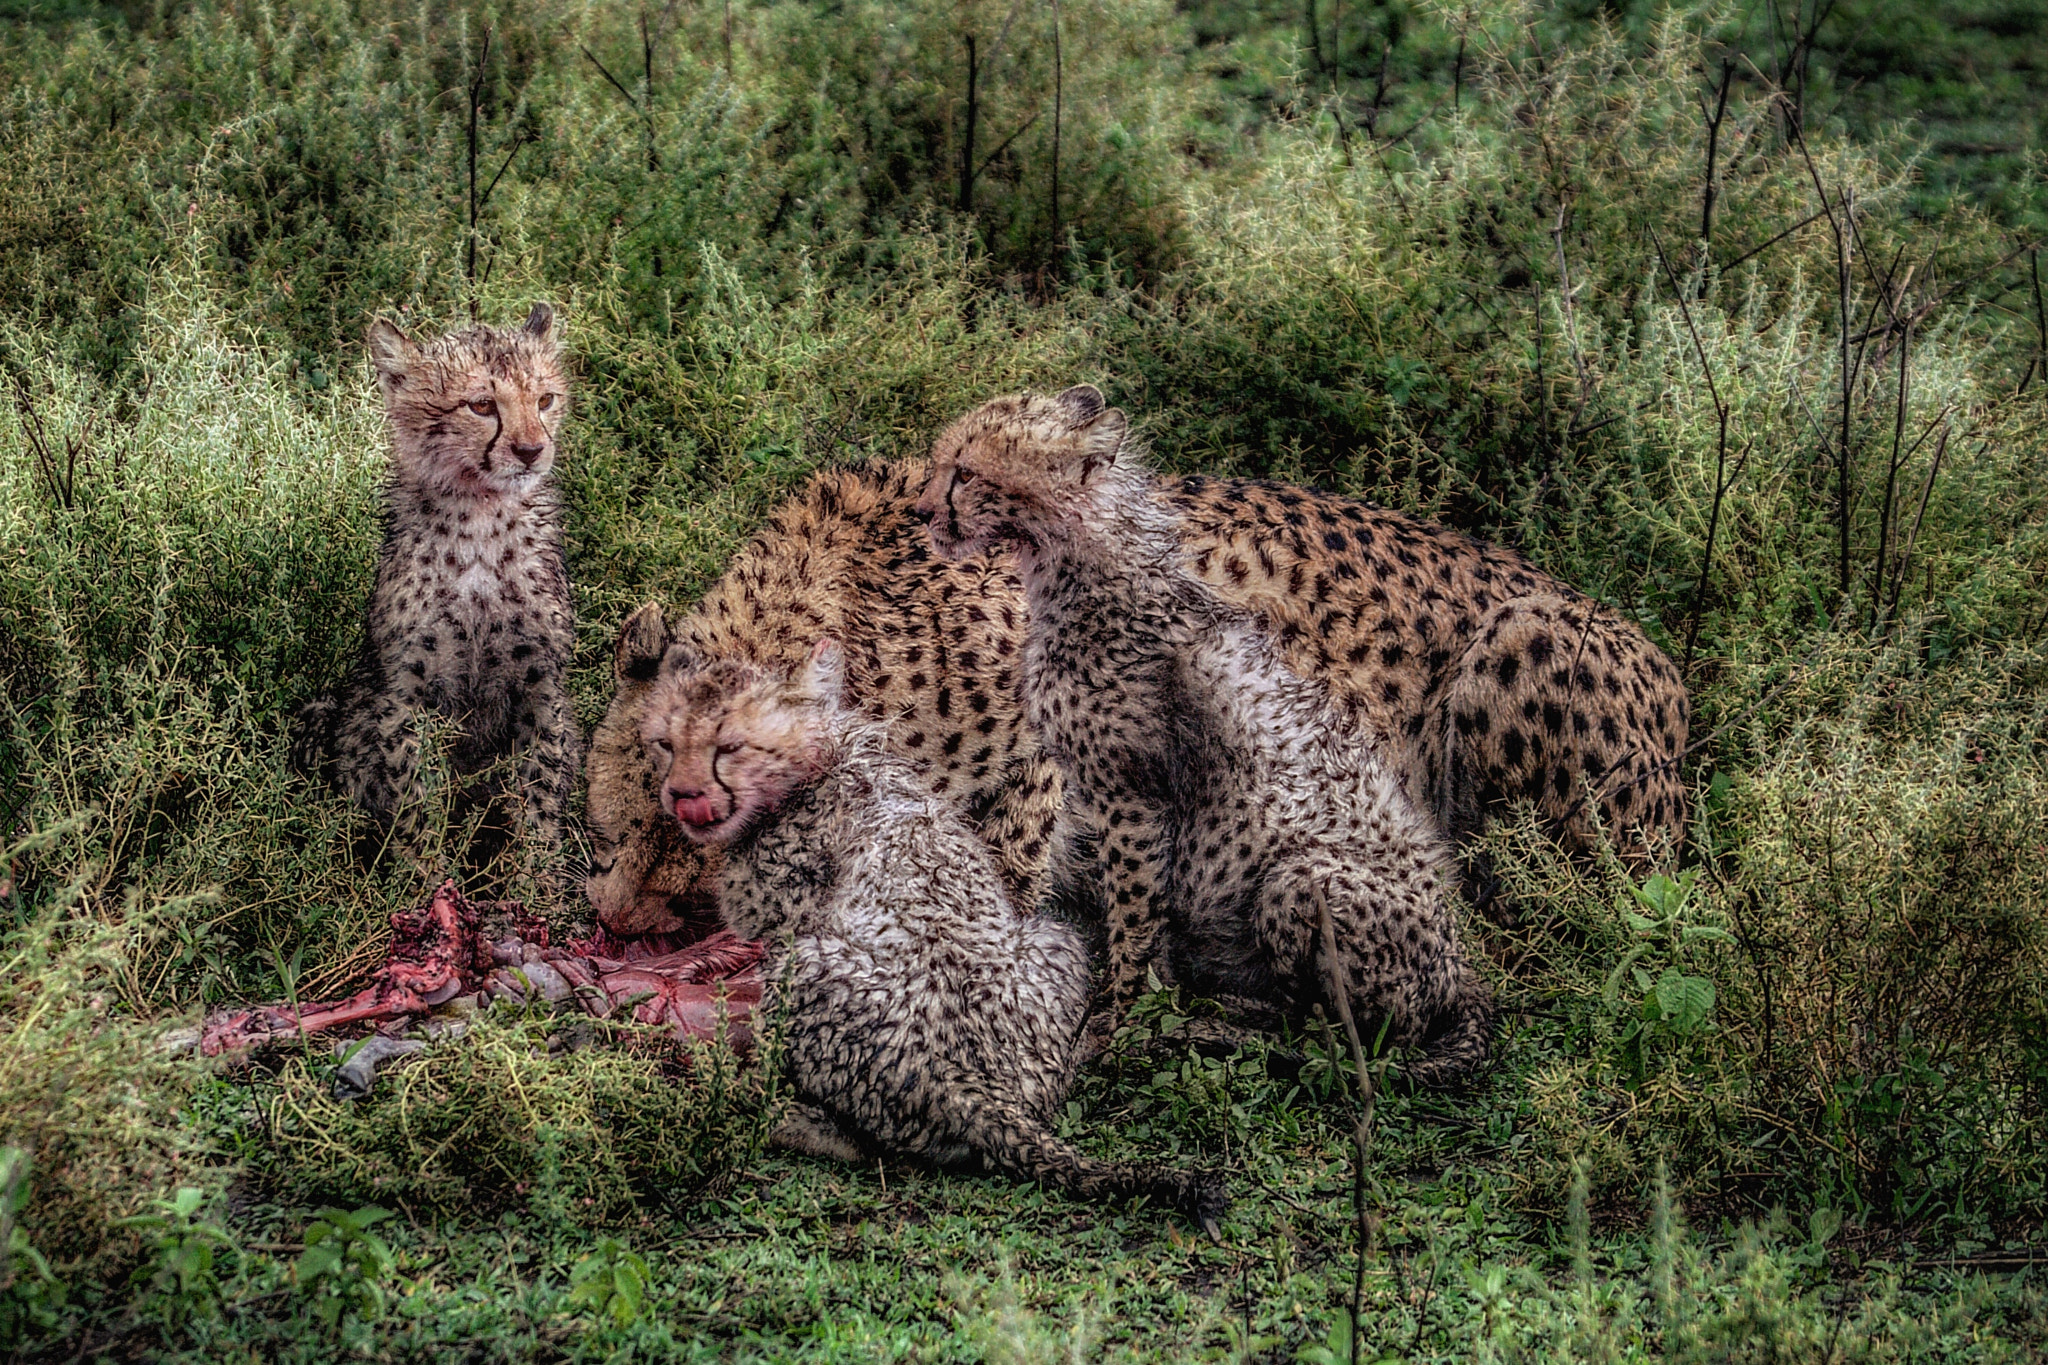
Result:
928,1016
1231,805
470,617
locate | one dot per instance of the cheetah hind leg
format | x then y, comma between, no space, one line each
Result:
1456,1052
1021,1144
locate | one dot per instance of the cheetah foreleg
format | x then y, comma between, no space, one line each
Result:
377,756
813,1132
547,750
1133,859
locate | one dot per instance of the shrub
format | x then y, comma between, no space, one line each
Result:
493,1119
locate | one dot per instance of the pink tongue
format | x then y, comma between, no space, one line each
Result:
695,810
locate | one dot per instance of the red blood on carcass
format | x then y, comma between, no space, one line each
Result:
437,954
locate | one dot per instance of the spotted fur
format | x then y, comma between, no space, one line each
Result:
929,1017
1230,804
470,616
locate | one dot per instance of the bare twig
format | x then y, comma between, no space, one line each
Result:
1056,255
1571,317
967,167
1713,148
1842,448
63,484
1699,589
1913,536
1891,482
2040,315
1004,145
476,91
591,57
1758,250
1368,1093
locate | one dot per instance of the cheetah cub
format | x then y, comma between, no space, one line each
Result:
1229,800
928,1016
470,617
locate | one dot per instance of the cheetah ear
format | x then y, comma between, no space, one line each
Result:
1101,441
540,320
391,351
642,641
1083,403
825,673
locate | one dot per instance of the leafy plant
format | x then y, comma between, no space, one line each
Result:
1675,1005
31,1296
178,1283
610,1283
343,1268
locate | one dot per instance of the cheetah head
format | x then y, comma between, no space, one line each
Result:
473,414
1018,469
730,741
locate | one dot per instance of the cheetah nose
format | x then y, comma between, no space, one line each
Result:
528,454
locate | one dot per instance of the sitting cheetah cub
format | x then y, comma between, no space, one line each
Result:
470,616
928,1017
1230,800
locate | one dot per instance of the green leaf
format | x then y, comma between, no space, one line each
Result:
1686,1001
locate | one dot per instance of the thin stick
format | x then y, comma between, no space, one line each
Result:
2040,314
1004,145
1913,536
1756,250
1699,589
1847,374
1571,317
966,204
1368,1094
592,58
476,90
1713,147
1891,483
1056,255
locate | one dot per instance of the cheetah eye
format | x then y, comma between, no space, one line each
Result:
484,407
547,400
661,746
731,746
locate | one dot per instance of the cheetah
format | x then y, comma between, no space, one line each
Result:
1231,806
928,1016
931,651
1483,679
470,617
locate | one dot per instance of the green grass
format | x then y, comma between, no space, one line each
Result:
1789,1107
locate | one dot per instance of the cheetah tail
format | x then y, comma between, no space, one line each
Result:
1461,1048
1022,1145
311,736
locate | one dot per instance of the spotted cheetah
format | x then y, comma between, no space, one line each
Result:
1483,679
931,652
928,1016
1232,805
470,617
